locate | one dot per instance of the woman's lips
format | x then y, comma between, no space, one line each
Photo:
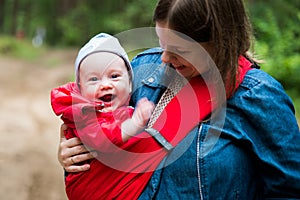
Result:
181,67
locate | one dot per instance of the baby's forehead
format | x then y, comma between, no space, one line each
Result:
102,61
104,57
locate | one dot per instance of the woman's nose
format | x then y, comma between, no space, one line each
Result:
167,57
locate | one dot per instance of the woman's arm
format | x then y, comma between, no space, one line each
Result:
71,152
271,126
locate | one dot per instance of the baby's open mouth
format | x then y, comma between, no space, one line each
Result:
107,98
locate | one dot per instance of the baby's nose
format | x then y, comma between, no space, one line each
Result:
105,84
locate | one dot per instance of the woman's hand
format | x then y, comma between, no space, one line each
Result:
72,151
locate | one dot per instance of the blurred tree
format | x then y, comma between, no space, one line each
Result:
73,22
276,26
2,14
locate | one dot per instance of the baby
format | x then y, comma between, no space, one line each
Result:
96,109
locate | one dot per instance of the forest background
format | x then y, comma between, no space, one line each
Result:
39,41
70,23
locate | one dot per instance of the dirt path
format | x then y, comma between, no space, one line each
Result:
29,169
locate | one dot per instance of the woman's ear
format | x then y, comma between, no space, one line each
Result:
130,91
130,87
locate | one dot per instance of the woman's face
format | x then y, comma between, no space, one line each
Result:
189,58
104,78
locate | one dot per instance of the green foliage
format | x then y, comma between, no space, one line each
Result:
86,19
137,13
276,28
73,22
277,39
9,46
72,31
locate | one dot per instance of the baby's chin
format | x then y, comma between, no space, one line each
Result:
107,110
109,107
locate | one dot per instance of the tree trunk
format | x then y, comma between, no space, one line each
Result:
2,6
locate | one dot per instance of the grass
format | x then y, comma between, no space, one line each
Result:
20,48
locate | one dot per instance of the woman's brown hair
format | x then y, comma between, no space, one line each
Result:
224,24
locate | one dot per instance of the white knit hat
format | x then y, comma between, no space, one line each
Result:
102,42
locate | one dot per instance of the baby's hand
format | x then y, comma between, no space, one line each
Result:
143,112
140,117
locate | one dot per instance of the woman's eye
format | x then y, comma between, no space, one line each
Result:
180,51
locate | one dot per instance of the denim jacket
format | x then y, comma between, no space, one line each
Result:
253,154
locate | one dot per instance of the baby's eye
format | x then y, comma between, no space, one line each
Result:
93,79
115,76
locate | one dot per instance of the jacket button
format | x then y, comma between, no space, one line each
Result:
151,80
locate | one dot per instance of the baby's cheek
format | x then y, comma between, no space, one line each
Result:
90,93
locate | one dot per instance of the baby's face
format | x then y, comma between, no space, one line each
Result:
104,78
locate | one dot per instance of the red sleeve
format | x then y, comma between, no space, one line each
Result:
102,131
67,100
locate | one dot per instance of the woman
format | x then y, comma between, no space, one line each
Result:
253,153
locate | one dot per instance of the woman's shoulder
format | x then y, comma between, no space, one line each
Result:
148,56
257,82
258,77
260,93
155,50
261,98
148,68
